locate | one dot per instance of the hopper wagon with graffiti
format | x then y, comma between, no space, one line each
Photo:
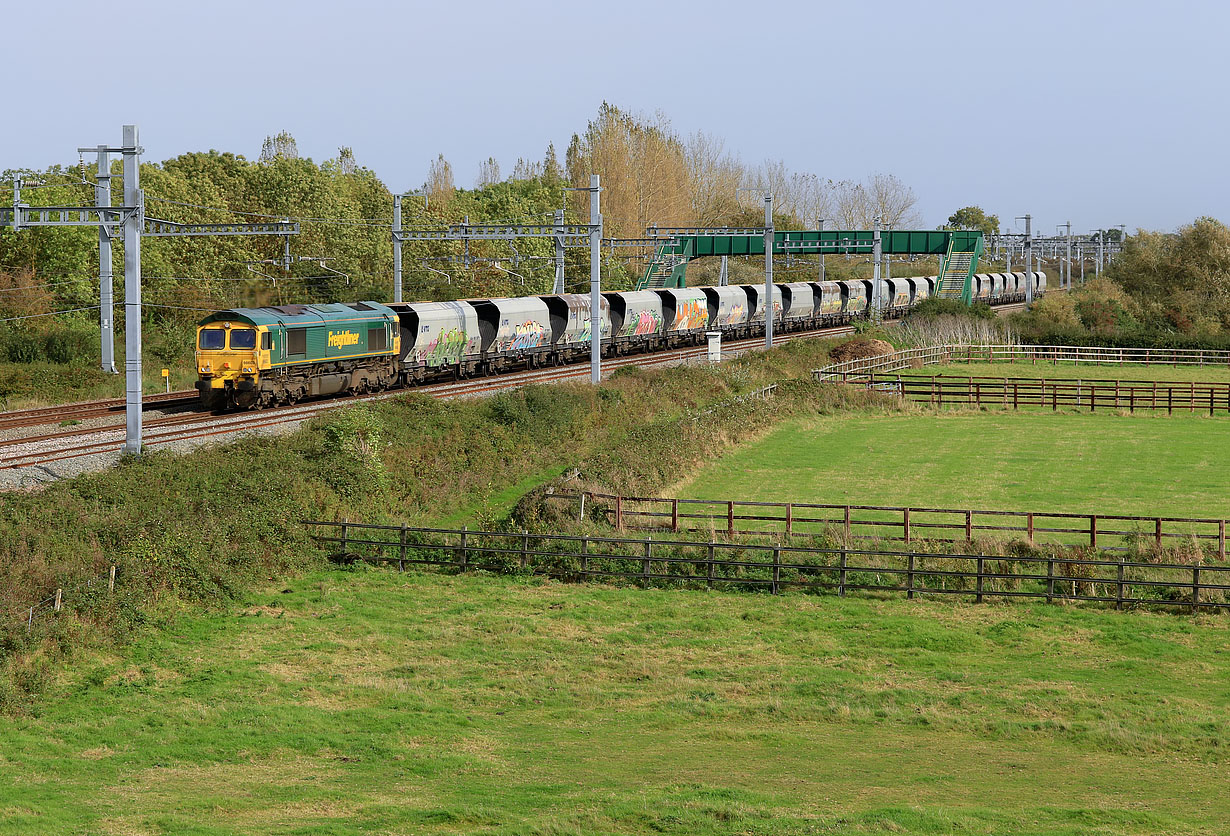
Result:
255,357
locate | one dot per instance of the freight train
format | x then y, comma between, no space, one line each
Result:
256,357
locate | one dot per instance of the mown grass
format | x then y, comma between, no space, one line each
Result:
361,702
1039,461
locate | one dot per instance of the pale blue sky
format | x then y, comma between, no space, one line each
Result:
1096,112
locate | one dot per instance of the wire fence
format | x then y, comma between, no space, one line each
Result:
851,523
62,596
777,568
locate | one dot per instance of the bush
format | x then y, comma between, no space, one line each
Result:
933,307
71,343
19,345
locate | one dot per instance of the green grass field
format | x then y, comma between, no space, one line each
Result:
368,702
1037,461
1071,371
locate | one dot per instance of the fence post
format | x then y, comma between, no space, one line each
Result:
847,523
619,513
675,515
30,620
525,549
1050,578
345,529
710,564
969,526
789,519
1195,588
978,598
841,575
645,561
1157,532
111,579
1093,531
730,519
465,550
1119,595
1170,400
909,577
1054,395
584,557
1029,525
401,553
1016,396
1221,540
777,567
59,598
905,523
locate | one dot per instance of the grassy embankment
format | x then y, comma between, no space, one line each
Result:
362,702
198,529
43,383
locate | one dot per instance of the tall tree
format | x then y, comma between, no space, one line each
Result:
973,217
439,187
488,173
642,166
280,147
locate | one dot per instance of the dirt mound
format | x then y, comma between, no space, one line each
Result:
858,348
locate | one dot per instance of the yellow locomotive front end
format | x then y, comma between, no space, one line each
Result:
229,362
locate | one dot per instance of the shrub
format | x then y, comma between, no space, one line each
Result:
933,307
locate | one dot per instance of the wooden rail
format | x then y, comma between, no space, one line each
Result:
777,567
1015,393
1109,532
1034,354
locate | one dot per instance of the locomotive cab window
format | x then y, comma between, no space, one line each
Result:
212,339
266,340
296,341
375,339
243,338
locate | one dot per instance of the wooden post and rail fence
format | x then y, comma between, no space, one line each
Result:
890,523
1008,353
776,567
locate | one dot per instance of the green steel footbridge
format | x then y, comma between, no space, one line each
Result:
958,251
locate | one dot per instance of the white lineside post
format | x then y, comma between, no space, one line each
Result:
768,271
595,282
396,248
106,288
132,289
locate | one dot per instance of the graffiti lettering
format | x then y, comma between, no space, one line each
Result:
527,335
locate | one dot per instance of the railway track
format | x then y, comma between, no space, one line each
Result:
91,409
77,443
